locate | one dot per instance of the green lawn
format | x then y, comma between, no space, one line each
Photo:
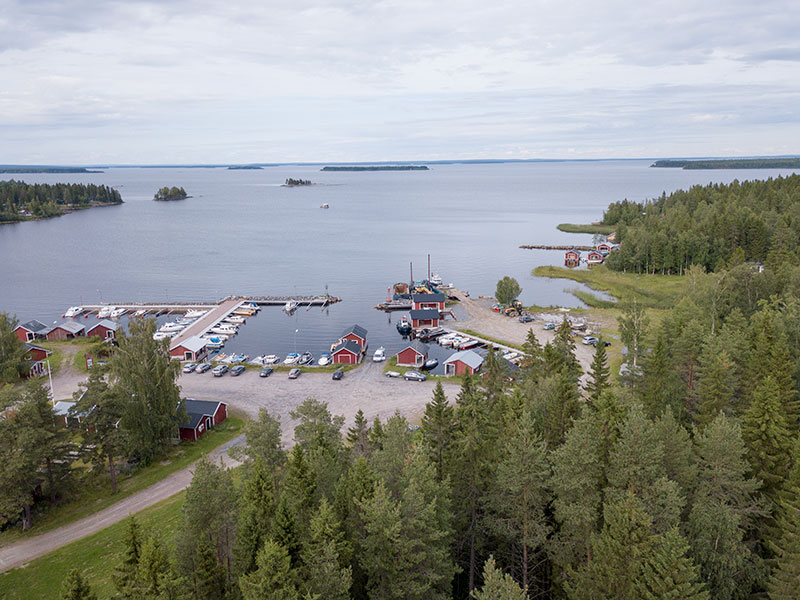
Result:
96,556
586,228
93,498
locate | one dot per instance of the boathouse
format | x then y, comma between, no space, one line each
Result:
347,352
356,334
67,330
413,355
27,332
105,329
423,301
202,415
604,248
465,362
594,258
572,257
37,356
427,317
192,349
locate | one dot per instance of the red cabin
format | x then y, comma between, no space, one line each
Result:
427,317
604,248
37,357
413,355
67,330
347,352
572,257
428,301
27,332
594,258
105,329
465,362
203,415
192,349
356,334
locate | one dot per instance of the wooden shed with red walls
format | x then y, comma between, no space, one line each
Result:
413,355
465,362
594,257
105,329
572,257
347,352
37,356
422,301
356,334
192,349
427,317
67,330
27,332
203,415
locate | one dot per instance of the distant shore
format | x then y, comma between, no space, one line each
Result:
730,163
27,170
378,168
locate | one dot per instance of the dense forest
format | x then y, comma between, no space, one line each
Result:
20,200
173,193
713,226
730,163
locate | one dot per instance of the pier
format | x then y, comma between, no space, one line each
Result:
582,248
157,308
211,319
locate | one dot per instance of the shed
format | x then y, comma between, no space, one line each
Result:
594,257
27,332
604,248
572,257
413,355
425,318
105,329
422,301
465,362
67,330
202,415
356,334
65,410
347,352
192,348
37,356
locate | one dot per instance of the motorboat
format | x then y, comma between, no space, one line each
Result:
73,311
252,306
105,312
117,313
239,358
160,335
291,359
290,307
272,359
467,344
306,358
325,205
171,327
379,355
227,328
324,359
214,342
448,340
140,313
431,363
244,311
435,279
404,326
194,314
238,319
184,321
258,360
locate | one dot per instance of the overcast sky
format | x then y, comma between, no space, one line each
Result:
93,81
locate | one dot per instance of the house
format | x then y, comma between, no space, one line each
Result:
427,317
105,329
356,334
594,258
572,257
604,248
422,301
27,332
65,409
192,349
202,415
37,357
347,352
413,355
68,330
465,362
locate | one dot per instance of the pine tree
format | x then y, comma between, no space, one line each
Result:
74,587
533,366
358,435
437,429
125,574
381,556
657,375
668,574
375,436
560,353
715,383
598,373
784,583
493,379
284,530
326,557
498,586
274,578
153,571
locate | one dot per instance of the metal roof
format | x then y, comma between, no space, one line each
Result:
112,325
70,326
425,313
193,344
348,345
468,357
438,297
33,326
418,347
358,330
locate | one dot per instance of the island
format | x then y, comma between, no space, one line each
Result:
20,201
297,182
33,169
244,168
730,163
173,193
599,228
378,168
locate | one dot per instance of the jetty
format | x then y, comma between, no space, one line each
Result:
158,308
573,247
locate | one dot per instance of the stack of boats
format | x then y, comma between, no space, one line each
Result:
458,341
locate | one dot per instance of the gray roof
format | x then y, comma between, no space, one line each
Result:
199,409
35,347
468,357
438,297
112,325
61,408
425,313
358,330
71,326
34,326
418,347
348,345
193,344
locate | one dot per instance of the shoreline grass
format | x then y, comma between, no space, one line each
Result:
586,228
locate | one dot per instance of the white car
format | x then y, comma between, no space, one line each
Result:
590,340
380,355
392,374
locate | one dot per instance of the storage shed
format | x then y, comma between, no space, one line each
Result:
413,355
67,330
427,317
465,362
27,332
356,334
105,329
192,349
347,352
203,415
422,301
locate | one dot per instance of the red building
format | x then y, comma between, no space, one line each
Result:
192,349
27,332
604,248
594,258
425,301
465,362
37,357
67,330
347,352
105,329
572,257
427,317
203,415
356,334
413,355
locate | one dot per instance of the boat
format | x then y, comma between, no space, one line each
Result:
290,307
252,306
117,313
291,359
306,358
467,344
222,331
160,335
140,313
431,363
214,342
435,279
244,311
325,205
171,327
216,336
324,359
258,360
194,314
379,355
237,319
404,326
184,321
239,358
105,312
229,328
73,311
272,359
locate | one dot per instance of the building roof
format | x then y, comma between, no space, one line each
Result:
197,410
33,326
61,408
348,345
438,297
468,357
112,325
70,326
35,347
192,344
417,347
425,313
356,329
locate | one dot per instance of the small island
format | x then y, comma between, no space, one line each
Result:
244,168
378,168
730,163
173,193
33,169
297,182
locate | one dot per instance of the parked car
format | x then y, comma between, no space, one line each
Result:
219,370
392,374
337,374
237,370
526,319
203,367
266,372
414,376
294,373
188,368
549,326
590,340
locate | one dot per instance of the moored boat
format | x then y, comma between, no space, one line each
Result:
272,359
290,307
105,312
117,313
73,311
404,326
194,314
140,313
431,363
171,327
291,358
306,358
324,359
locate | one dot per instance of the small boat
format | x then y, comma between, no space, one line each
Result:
227,327
194,314
252,306
184,321
117,313
291,359
258,360
244,311
73,311
306,358
466,345
234,319
290,307
222,331
379,355
404,326
325,205
160,335
324,359
214,342
239,358
105,312
435,279
140,313
431,363
272,359
171,327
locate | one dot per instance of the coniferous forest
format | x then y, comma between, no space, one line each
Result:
48,200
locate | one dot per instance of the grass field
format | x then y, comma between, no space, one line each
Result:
653,291
96,556
586,228
93,498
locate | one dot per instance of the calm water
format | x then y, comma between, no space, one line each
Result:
241,233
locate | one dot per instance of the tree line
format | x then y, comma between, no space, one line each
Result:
713,226
48,200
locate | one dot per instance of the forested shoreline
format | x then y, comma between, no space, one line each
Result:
20,201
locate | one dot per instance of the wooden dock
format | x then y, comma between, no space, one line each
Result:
208,320
157,308
581,248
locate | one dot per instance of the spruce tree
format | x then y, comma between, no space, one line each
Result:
715,383
358,435
274,578
533,365
784,583
326,557
667,573
598,373
497,585
437,429
209,579
125,575
255,516
154,571
74,587
263,436
284,530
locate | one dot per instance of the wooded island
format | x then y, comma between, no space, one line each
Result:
173,193
20,201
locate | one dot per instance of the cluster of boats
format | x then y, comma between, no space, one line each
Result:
107,312
458,341
294,358
173,328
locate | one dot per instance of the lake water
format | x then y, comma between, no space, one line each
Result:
242,233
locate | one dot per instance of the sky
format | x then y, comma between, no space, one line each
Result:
178,81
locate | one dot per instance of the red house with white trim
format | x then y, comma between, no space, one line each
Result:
192,349
465,362
203,415
67,330
37,357
356,334
105,329
347,352
594,258
572,257
604,248
27,332
427,317
413,355
423,301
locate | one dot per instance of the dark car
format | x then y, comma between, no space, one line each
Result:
203,367
266,372
220,370
237,370
294,373
414,376
337,374
526,319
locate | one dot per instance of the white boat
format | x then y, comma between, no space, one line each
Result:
272,359
160,335
236,319
214,342
379,355
229,327
252,306
324,359
117,313
140,313
73,311
194,314
435,279
171,327
258,360
291,359
290,307
105,312
325,205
